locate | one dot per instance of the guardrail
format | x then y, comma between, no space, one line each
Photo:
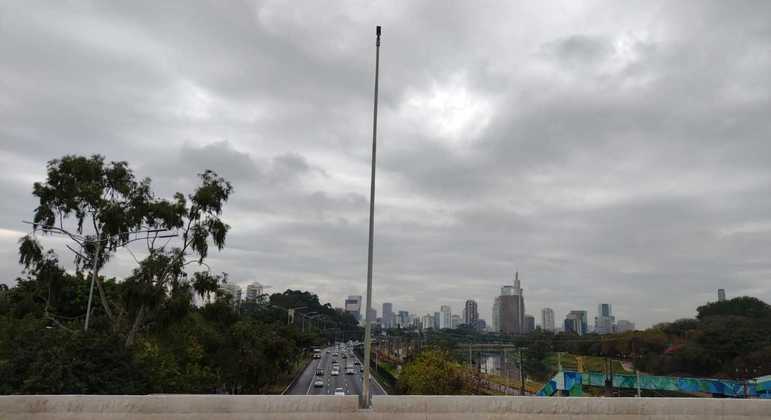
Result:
405,407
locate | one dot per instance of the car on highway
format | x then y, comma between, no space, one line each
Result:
345,356
319,372
334,354
361,369
335,372
349,371
319,384
339,391
357,363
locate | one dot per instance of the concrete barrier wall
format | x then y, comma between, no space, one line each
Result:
225,407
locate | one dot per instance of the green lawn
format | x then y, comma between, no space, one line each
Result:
591,363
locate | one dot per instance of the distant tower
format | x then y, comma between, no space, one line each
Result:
720,295
470,313
547,319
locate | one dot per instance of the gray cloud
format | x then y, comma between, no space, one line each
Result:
609,152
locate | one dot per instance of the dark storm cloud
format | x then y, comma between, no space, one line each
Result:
609,152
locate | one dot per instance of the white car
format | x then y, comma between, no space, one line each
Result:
339,391
335,372
318,384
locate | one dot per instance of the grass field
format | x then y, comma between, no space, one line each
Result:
589,363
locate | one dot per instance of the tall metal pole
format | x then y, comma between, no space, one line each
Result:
95,270
365,400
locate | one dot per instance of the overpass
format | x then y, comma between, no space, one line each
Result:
302,407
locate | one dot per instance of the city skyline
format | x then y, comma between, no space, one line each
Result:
609,150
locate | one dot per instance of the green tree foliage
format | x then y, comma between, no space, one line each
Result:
434,372
745,306
111,208
146,336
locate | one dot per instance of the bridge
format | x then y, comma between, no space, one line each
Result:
301,407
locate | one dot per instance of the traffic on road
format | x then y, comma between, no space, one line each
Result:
334,370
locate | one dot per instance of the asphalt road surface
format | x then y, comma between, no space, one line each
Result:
351,384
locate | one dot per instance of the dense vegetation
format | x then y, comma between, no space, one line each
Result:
729,339
434,372
145,335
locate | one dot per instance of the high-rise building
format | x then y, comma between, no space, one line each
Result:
720,295
529,324
437,320
456,321
403,319
576,322
509,309
470,313
353,305
388,312
623,326
481,325
496,327
428,321
604,321
547,319
446,317
232,291
253,291
572,325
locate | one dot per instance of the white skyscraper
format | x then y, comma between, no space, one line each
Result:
547,319
428,321
233,291
445,320
254,291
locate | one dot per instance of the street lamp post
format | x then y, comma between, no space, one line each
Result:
365,399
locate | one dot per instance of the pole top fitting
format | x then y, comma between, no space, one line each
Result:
377,32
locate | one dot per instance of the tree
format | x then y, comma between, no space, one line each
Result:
433,372
745,306
110,208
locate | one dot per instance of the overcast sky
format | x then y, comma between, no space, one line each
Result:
610,151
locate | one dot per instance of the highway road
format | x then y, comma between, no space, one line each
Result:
351,384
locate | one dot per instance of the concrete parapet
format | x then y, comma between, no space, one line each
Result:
410,407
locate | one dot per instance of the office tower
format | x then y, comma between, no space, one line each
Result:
353,306
470,313
720,295
510,309
623,326
446,317
547,319
403,319
437,320
529,324
481,325
456,321
576,322
388,310
603,322
572,324
232,291
428,321
253,290
496,327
